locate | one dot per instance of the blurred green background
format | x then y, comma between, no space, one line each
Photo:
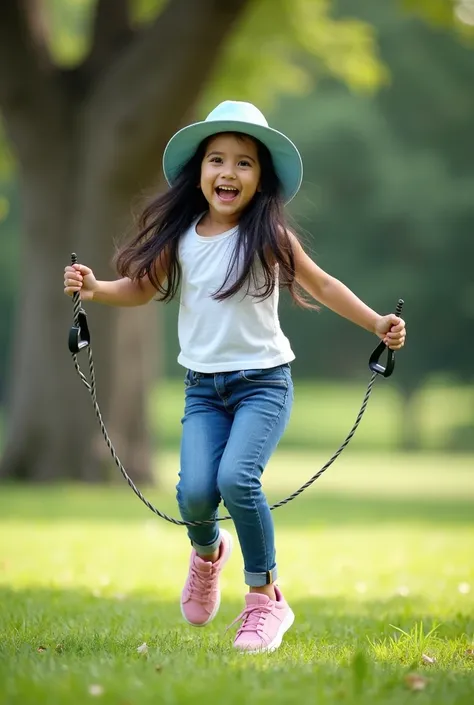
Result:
379,100
378,97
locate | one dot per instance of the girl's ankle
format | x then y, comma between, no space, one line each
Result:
268,590
210,558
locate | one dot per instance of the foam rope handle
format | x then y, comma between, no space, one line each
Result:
79,334
374,361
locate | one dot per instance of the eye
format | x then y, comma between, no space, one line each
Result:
217,160
244,162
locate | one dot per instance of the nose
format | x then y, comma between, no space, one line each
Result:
228,171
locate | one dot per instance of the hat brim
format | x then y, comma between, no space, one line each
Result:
286,158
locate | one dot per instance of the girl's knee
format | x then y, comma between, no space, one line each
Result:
236,486
196,502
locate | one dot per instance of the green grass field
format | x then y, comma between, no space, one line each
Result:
376,560
323,413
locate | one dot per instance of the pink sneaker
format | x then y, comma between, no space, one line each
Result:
264,622
201,596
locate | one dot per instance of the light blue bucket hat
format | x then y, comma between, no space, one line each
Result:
236,116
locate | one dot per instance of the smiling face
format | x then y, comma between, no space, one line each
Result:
230,175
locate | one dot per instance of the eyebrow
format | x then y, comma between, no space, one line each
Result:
239,156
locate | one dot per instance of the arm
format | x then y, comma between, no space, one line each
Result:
124,292
340,299
121,292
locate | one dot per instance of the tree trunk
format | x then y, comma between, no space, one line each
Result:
52,430
87,140
136,366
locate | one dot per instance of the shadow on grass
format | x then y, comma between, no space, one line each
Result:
76,503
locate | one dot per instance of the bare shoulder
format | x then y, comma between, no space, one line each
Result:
158,275
297,248
308,274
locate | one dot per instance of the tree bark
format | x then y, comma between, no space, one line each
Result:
87,141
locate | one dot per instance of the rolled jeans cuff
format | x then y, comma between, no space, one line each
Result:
207,550
260,579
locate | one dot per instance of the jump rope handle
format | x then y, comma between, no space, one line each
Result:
374,361
79,335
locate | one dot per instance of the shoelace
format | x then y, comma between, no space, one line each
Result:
201,584
253,618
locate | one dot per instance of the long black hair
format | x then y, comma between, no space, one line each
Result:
263,250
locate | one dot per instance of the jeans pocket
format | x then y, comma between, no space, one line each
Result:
273,376
191,379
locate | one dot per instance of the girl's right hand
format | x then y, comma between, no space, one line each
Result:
80,278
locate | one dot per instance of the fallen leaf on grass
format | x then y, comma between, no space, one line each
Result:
143,649
415,681
470,653
96,689
428,659
40,649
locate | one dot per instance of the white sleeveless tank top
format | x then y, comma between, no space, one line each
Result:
238,333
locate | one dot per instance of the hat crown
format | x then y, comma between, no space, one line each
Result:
239,111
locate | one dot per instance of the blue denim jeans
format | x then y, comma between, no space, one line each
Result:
232,423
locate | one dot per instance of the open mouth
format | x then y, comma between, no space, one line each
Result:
227,194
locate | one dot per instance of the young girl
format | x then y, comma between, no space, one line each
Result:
219,236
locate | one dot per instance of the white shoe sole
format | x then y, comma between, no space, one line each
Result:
273,645
225,558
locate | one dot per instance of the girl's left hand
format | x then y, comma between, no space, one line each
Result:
391,329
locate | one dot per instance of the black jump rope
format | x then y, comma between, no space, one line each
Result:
80,338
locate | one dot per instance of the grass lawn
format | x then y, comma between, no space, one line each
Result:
376,560
323,414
